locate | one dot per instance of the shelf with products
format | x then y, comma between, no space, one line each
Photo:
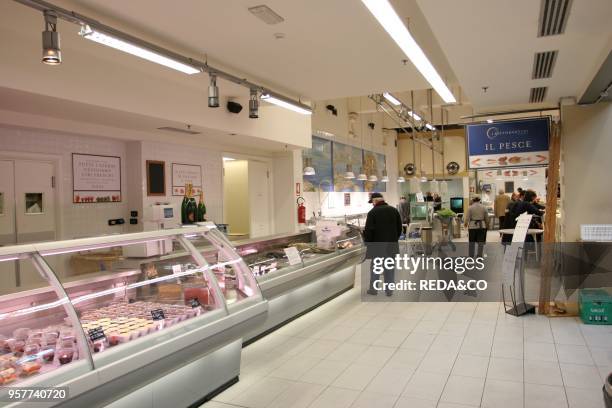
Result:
71,323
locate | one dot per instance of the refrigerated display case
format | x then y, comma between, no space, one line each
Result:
168,332
293,289
290,289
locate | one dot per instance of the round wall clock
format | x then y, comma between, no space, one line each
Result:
409,169
452,167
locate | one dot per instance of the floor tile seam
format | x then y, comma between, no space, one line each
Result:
453,366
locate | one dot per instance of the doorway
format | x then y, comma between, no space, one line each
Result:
28,203
246,198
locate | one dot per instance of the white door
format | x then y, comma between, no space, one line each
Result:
7,223
27,214
34,201
259,199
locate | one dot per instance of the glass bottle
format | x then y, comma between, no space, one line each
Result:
191,212
184,204
201,208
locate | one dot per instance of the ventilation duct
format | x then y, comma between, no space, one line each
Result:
537,95
543,64
553,17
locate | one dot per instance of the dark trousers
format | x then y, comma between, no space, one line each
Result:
388,276
502,221
477,235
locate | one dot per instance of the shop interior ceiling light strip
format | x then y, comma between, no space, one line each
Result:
117,43
96,31
284,104
391,22
391,98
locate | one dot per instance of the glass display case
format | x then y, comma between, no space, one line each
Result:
87,307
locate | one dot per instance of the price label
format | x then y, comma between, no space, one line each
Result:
195,302
158,314
293,256
96,334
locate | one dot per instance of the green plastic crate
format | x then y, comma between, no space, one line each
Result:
595,306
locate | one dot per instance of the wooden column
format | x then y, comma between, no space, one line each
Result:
550,218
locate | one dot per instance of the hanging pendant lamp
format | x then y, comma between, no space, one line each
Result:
308,168
348,174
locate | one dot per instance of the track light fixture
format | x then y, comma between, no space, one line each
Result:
213,92
253,104
51,54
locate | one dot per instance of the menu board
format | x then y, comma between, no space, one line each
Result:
96,179
186,174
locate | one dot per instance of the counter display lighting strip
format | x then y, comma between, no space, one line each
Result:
393,25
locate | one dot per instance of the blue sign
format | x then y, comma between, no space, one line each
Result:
512,143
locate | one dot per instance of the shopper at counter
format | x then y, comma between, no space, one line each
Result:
500,207
437,202
381,233
477,222
404,210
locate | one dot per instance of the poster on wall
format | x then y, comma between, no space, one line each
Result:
512,143
320,156
344,155
96,179
374,164
183,174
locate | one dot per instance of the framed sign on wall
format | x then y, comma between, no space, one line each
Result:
96,178
510,143
156,178
183,174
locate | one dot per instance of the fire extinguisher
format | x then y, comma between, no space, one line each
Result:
301,210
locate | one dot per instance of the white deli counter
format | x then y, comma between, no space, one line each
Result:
121,330
122,337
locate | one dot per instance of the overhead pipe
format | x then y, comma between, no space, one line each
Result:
81,19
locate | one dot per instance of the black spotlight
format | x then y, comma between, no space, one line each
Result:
253,104
51,40
213,92
234,107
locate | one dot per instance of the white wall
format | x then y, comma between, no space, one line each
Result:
76,220
454,150
211,163
586,144
236,196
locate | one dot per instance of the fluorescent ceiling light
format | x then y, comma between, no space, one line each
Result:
489,120
391,22
429,126
149,55
414,115
278,102
228,159
391,98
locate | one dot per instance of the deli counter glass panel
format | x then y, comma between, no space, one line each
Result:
37,334
90,305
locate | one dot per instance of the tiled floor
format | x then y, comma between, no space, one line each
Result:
411,355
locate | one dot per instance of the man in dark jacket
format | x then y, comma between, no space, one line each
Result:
382,230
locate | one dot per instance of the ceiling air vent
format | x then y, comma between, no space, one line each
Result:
179,130
537,95
543,64
266,14
553,17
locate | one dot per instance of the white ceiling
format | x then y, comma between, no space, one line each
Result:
492,43
331,49
113,123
